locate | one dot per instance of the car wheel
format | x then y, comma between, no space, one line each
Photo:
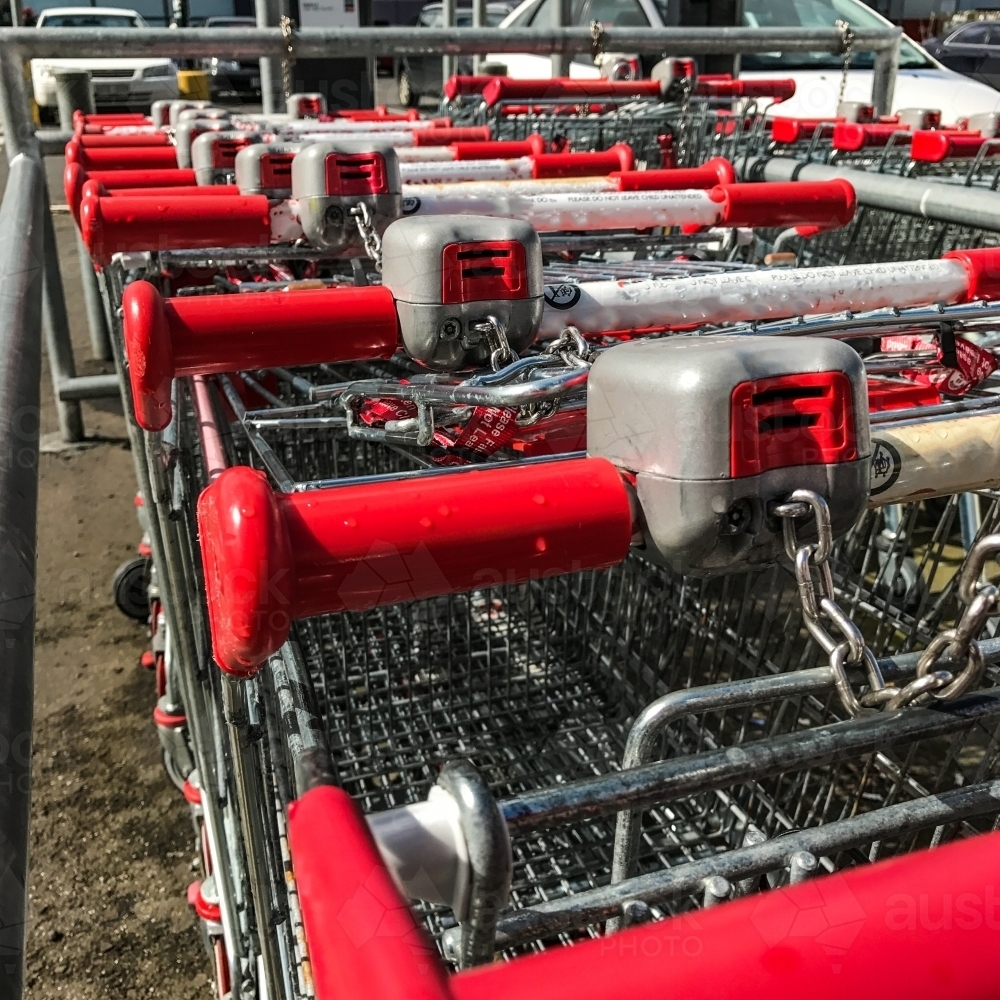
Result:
408,97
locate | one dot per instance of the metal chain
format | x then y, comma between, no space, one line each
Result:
596,40
847,40
289,60
501,353
572,348
366,227
820,612
685,125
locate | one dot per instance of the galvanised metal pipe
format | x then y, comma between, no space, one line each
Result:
310,43
931,199
20,372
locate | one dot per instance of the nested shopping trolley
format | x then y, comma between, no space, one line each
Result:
536,679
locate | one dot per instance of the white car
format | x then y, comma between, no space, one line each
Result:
127,81
922,82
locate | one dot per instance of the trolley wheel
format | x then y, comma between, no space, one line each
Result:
173,771
130,588
408,97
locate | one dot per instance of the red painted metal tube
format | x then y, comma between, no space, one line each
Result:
780,90
368,943
618,158
272,558
708,175
503,88
533,145
919,927
447,136
89,141
75,176
206,334
114,225
134,158
827,204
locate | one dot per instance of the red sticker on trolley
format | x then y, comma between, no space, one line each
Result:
378,411
974,364
490,428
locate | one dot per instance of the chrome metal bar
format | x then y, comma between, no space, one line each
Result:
20,374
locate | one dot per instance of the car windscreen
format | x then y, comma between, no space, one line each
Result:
817,14
88,21
463,19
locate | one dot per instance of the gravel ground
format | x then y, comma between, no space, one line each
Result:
112,848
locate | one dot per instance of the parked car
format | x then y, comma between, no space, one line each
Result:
971,49
420,76
126,81
232,77
923,82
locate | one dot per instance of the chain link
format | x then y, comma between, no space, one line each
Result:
501,353
596,40
572,348
366,227
847,40
823,616
289,60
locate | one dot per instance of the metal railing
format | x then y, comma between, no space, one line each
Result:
21,227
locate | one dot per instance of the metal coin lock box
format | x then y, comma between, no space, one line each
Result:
466,288
330,179
717,429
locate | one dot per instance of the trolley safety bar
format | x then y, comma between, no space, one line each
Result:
186,336
112,225
746,941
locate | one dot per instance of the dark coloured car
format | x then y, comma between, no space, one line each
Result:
971,49
421,76
233,77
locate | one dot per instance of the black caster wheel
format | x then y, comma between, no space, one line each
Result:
130,588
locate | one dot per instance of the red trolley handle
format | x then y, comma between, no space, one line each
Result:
447,136
789,130
165,338
711,173
131,158
825,204
115,225
619,158
271,558
75,176
82,121
509,149
465,86
503,88
929,916
123,141
935,145
780,90
849,137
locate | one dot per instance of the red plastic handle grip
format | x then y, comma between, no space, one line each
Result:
929,917
205,334
788,130
708,175
780,90
465,86
826,204
123,141
618,158
114,225
74,177
503,88
933,146
446,136
195,191
363,938
378,114
983,268
272,558
533,145
134,158
849,137
82,120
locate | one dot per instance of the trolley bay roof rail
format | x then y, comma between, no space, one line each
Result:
20,371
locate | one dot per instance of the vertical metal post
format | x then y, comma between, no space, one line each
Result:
884,76
19,137
479,20
562,15
20,372
448,63
76,93
272,89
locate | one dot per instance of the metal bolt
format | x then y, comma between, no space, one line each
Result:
738,517
334,216
451,329
717,890
635,912
803,865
